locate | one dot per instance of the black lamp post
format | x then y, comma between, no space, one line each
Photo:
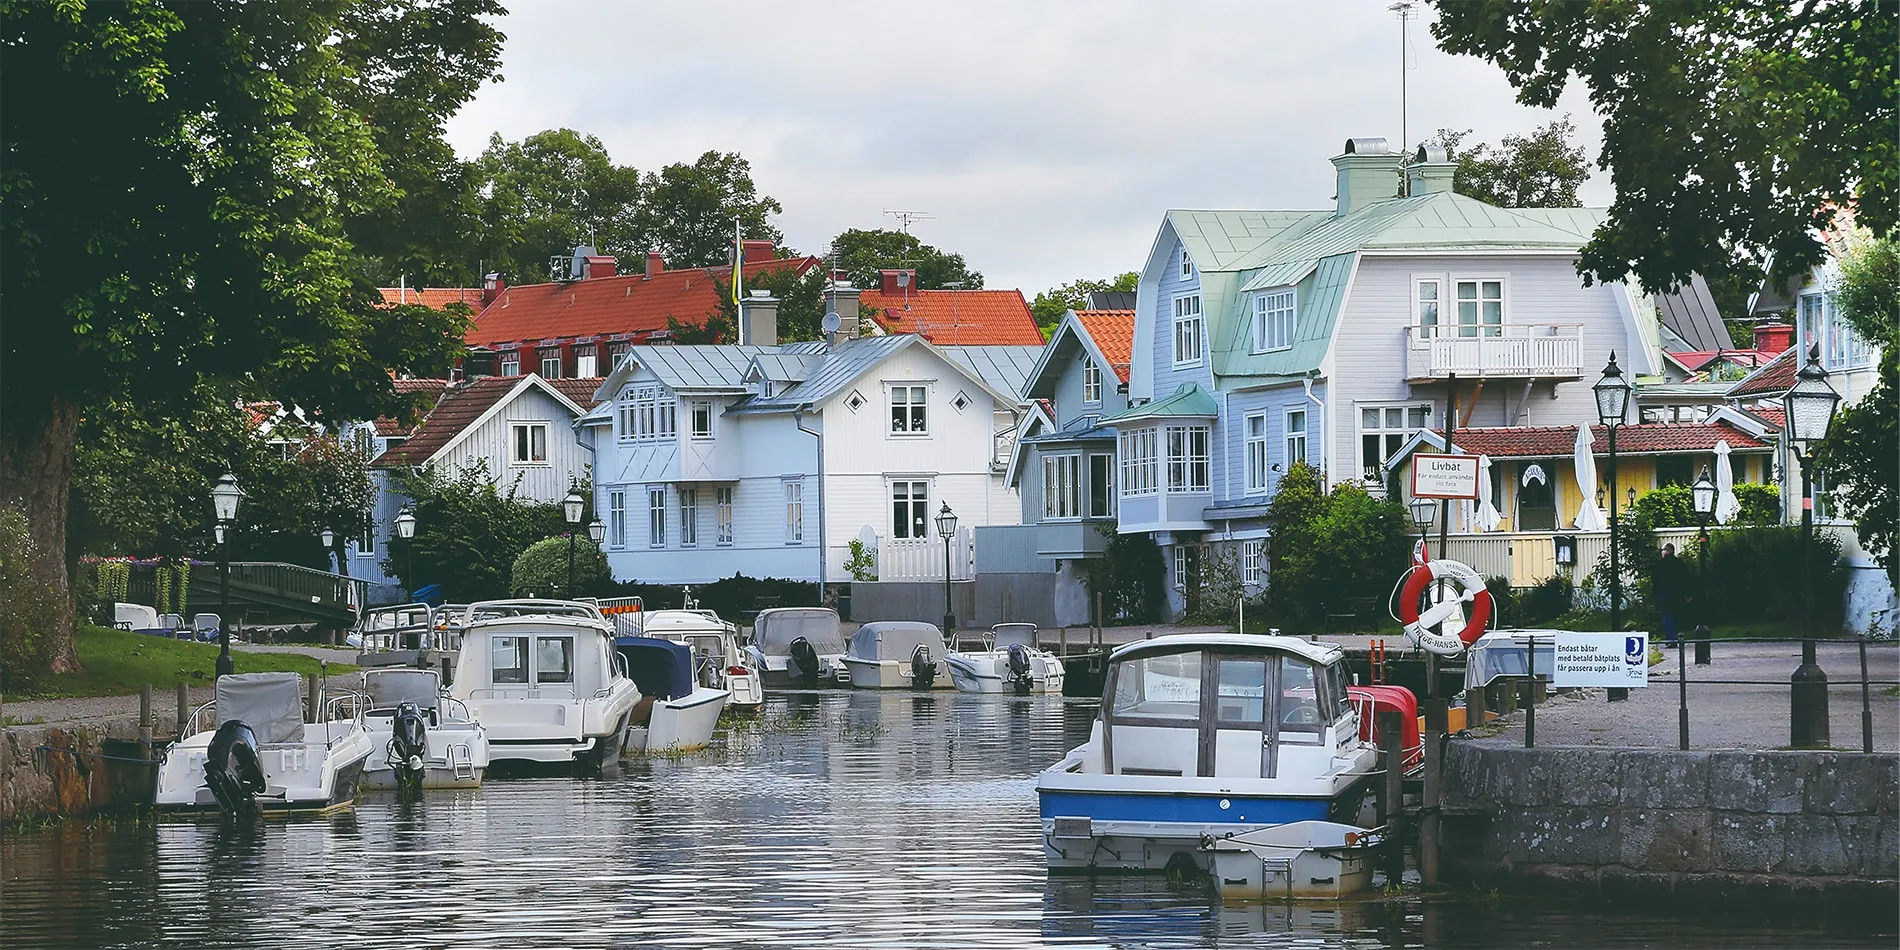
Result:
1613,400
1423,511
571,510
596,532
406,530
225,496
947,528
1810,405
1703,493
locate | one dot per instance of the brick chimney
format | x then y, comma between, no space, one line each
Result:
1368,172
758,319
897,282
844,299
756,251
601,265
1773,337
492,286
655,265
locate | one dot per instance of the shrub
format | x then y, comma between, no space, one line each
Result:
862,564
1506,611
1761,504
1345,544
1546,600
1130,576
1671,506
542,569
1753,574
31,607
1217,589
737,598
469,532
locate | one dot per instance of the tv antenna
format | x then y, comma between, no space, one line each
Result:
1404,9
904,218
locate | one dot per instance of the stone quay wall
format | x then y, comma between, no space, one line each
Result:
1641,824
72,769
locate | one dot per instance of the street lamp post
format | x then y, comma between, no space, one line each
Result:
225,496
406,530
596,532
1704,494
1423,511
571,510
1613,399
1810,405
947,528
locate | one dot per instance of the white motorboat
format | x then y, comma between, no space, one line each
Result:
542,678
1010,662
1310,859
419,736
674,713
262,755
897,654
798,646
1205,735
717,661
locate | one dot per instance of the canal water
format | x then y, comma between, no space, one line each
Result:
833,819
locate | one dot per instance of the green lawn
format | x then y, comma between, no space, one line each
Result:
118,662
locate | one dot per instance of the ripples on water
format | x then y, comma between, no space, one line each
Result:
835,819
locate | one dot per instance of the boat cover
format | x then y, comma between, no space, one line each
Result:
662,669
390,688
895,640
1014,634
270,703
775,629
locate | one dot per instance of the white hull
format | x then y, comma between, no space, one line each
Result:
776,671
890,674
679,725
523,727
1303,859
747,691
318,774
985,672
458,755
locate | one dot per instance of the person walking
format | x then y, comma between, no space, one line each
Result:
1670,582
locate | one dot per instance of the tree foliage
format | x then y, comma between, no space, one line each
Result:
687,211
541,569
1330,548
1129,577
861,254
1539,170
1051,304
552,191
469,531
1862,451
1729,127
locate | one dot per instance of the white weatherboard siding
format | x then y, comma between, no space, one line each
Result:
490,442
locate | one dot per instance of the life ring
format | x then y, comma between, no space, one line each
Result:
1470,591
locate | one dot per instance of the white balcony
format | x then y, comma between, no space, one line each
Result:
1517,351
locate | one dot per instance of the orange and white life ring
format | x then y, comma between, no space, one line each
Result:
1469,599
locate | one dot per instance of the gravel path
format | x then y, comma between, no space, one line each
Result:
1723,716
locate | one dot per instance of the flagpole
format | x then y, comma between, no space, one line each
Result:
738,278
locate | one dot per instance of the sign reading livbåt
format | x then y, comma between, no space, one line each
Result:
1601,659
1444,476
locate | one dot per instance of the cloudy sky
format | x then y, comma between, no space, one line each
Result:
1046,139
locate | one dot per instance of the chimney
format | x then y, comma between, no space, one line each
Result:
655,265
844,300
1432,172
758,319
1368,172
492,286
756,251
577,263
896,282
1773,337
602,265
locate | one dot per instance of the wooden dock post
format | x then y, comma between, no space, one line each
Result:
1477,703
1435,723
1065,641
1095,632
1391,793
184,709
146,722
310,698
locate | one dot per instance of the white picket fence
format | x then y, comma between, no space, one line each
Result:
922,560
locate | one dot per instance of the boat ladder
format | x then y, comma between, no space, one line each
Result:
462,761
1280,866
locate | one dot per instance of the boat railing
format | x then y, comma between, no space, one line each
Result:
531,607
1412,755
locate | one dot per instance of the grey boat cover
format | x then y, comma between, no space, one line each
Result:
390,688
895,640
1014,634
270,703
775,629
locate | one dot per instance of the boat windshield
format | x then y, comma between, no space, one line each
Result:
1167,686
1014,634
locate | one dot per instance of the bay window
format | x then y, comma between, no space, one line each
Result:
1061,486
1187,458
1138,461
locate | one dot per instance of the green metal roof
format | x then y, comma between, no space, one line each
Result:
1189,401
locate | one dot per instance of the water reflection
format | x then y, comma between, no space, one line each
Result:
866,819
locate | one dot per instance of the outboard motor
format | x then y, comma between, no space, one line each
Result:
232,770
408,750
1020,679
805,662
923,670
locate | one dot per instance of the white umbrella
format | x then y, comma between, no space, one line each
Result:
1488,517
1589,516
1727,506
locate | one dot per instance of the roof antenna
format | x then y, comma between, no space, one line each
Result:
1404,9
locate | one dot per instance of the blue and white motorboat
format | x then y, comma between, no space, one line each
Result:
1201,736
675,713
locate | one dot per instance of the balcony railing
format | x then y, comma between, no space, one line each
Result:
1519,350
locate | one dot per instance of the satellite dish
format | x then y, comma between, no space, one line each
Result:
903,278
832,321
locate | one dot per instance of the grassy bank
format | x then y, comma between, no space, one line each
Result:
118,662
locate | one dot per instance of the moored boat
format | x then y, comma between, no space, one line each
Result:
798,647
261,755
717,661
674,713
1010,662
420,737
897,654
1301,859
541,677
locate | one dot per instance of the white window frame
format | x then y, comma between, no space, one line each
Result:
511,363
515,448
551,354
915,405
702,406
917,492
1275,319
1253,561
366,545
1091,382
1185,448
617,518
794,511
1254,439
656,516
1189,341
615,353
1139,453
1436,305
586,361
1187,264
722,516
1818,322
689,517
1062,487
647,412
1479,328
1178,558
1404,431
1101,504
1294,437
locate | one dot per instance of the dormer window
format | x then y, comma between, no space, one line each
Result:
766,389
511,363
1091,382
1273,320
1187,265
647,412
551,363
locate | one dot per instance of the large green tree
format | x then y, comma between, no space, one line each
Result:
861,254
1861,457
1539,170
552,191
180,211
1051,304
687,212
1730,127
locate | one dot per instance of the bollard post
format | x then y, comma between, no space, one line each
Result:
184,708
1476,704
1435,723
146,721
1682,695
1392,792
310,699
1866,708
1095,633
1702,645
1530,695
1064,639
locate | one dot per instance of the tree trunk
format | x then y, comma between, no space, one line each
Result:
38,441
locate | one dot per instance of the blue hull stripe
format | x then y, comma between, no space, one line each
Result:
1181,807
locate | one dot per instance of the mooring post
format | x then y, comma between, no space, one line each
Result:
310,699
1392,793
1476,704
1530,694
1866,708
1065,641
146,722
1435,724
184,708
1095,633
1702,645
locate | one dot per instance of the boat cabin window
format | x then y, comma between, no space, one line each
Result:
1333,696
1242,692
1167,686
508,659
1300,716
554,660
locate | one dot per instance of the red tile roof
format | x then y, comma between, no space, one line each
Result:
579,389
1696,360
955,317
424,391
433,297
1776,417
631,307
1649,438
1114,333
1771,380
459,407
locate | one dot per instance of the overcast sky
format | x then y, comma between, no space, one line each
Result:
1045,138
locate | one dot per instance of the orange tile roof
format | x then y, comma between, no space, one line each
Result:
632,306
1561,441
1771,380
433,297
460,406
955,317
1114,334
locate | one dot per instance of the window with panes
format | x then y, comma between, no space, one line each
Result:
1091,381
794,512
1295,436
910,510
617,519
1187,329
1187,458
1253,561
511,363
1426,307
689,517
1382,430
648,413
1139,459
1061,486
1273,320
1101,485
908,410
1480,307
530,441
551,364
586,362
722,515
656,517
1256,453
702,419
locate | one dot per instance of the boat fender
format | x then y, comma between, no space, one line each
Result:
923,670
232,770
805,658
408,742
1019,675
1469,596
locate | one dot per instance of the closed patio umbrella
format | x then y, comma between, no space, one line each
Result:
1589,516
1487,516
1727,506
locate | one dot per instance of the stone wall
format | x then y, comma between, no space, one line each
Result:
73,769
1721,826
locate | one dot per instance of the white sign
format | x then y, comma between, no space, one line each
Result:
1444,476
1601,659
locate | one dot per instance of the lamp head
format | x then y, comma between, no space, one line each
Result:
406,523
1423,511
1811,402
946,521
329,539
596,531
571,506
1613,395
1704,492
225,496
